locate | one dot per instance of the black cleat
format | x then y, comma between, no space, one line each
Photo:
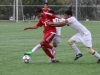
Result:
98,61
78,56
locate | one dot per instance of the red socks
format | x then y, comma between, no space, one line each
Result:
49,53
47,45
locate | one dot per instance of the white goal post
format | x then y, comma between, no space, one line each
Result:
16,10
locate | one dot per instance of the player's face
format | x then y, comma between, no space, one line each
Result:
40,14
66,16
45,6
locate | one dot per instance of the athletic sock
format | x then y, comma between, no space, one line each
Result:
36,48
53,51
74,47
97,55
47,52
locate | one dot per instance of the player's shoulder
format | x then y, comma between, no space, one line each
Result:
43,8
40,19
72,18
47,13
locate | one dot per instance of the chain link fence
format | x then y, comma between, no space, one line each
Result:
87,10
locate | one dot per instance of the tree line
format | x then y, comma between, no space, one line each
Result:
29,11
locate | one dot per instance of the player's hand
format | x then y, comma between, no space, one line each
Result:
62,19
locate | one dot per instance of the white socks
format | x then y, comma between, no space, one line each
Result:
36,48
74,47
97,55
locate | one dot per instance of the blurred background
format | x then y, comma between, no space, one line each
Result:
24,10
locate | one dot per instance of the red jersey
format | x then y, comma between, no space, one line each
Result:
45,10
47,17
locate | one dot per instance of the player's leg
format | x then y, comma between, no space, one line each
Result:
75,48
43,43
48,53
87,41
33,50
93,52
71,42
55,42
48,37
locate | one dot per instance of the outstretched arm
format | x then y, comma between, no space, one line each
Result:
58,24
58,17
31,27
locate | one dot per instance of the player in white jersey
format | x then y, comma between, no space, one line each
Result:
57,38
83,35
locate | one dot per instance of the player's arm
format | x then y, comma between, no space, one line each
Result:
58,17
58,24
31,27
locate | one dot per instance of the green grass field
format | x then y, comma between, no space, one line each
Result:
14,42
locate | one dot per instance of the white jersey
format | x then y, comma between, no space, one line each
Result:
58,29
75,24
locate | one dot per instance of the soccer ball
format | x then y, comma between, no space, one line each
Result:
26,58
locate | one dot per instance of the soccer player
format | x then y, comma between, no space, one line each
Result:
83,35
55,41
70,7
49,32
46,9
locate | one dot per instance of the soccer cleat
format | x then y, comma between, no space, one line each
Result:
28,53
78,56
53,52
98,61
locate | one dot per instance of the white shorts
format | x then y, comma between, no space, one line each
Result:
56,40
85,39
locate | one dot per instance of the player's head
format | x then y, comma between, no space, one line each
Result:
51,11
45,5
39,12
68,13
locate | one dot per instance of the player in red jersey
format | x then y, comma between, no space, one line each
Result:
49,32
46,9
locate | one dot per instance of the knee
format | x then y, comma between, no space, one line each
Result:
70,42
41,42
43,48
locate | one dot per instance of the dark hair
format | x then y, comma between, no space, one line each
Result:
46,3
68,12
39,10
51,11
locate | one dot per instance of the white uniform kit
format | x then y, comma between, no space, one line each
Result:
57,38
83,34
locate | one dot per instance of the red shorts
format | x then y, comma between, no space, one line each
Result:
49,36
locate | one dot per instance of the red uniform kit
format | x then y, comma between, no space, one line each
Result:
46,9
49,31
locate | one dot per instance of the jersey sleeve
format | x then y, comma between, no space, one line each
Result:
70,20
51,15
39,23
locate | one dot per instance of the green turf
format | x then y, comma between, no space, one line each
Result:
14,42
